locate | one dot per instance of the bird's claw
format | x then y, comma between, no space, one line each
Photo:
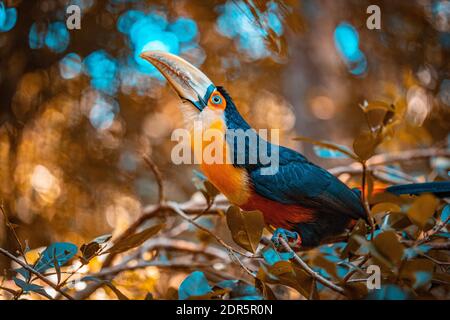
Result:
291,237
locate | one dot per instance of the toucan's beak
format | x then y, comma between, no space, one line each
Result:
190,83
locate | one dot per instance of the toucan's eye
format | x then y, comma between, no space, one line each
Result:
216,99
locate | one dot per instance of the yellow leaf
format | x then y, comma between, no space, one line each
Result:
422,209
246,227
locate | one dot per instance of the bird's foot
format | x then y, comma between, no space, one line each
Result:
291,237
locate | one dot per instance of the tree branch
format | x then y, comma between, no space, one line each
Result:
310,271
176,208
36,273
158,177
388,158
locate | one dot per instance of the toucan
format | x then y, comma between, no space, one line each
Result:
303,202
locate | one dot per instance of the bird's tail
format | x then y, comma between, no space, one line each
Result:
440,189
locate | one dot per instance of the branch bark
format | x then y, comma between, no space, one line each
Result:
310,271
388,158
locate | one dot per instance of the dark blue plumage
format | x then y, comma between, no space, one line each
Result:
440,189
300,183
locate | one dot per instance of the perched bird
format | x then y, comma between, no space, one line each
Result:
304,202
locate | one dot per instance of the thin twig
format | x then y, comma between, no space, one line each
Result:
433,245
364,199
36,273
13,231
435,231
144,264
130,230
388,158
356,269
158,177
175,207
71,274
310,271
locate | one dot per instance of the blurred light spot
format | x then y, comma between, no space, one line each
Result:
359,67
323,108
346,40
103,113
330,153
122,211
148,32
57,38
157,125
185,29
145,187
8,18
444,92
83,4
36,37
103,71
441,15
127,19
193,53
219,266
152,31
128,161
236,21
23,209
273,111
444,38
80,285
424,75
45,183
418,105
70,66
162,41
427,76
132,79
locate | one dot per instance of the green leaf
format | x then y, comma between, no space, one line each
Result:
246,227
240,290
91,249
265,290
283,272
30,287
194,285
385,207
445,214
388,292
377,105
417,272
135,240
211,190
59,253
388,245
365,145
24,273
355,290
378,113
422,210
271,256
360,229
321,262
56,264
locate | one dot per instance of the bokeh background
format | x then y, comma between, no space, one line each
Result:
78,108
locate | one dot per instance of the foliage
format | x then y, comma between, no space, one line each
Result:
79,109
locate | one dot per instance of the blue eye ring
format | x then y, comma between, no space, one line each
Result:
216,99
